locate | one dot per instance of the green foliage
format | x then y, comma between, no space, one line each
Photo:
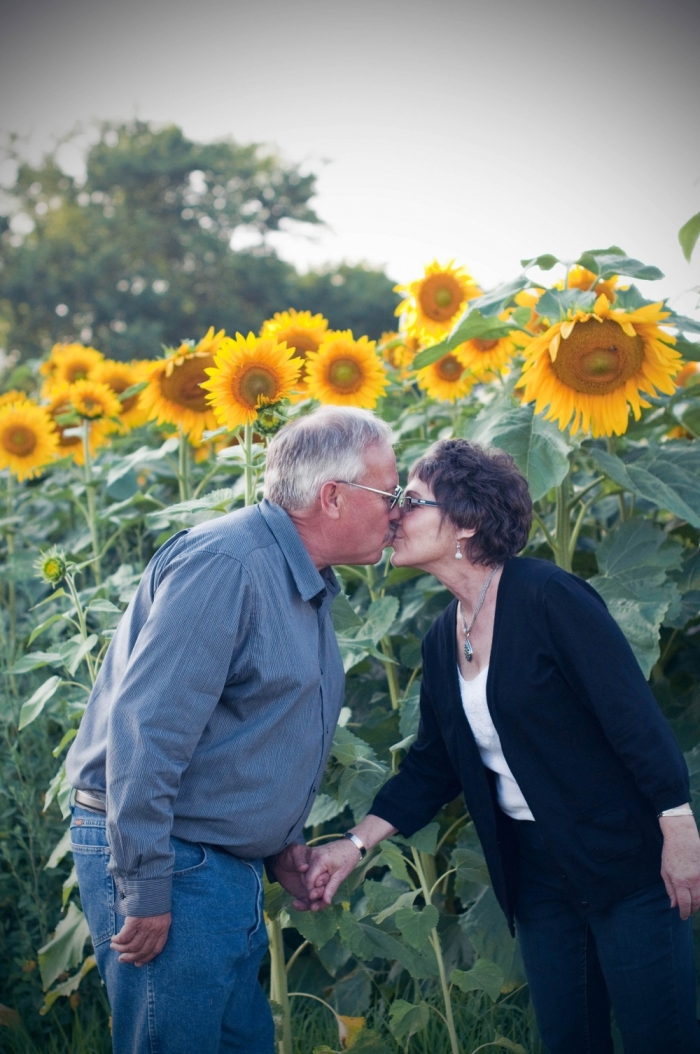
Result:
634,562
415,939
138,255
689,234
539,448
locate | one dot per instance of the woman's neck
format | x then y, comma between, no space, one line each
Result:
466,580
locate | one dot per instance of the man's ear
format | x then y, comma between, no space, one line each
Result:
331,500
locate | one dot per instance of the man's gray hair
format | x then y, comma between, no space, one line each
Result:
328,444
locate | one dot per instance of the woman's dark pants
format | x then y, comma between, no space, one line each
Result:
636,955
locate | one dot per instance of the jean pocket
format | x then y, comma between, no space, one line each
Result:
190,857
97,893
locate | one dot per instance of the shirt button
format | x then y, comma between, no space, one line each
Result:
584,903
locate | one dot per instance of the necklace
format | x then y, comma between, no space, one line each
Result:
468,650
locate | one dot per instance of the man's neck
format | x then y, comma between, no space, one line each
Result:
310,529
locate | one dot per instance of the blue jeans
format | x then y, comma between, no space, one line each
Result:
201,995
636,955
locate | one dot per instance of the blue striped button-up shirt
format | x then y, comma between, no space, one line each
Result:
214,711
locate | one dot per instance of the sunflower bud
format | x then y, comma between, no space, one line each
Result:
52,566
270,419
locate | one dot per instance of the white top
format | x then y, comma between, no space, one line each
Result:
473,693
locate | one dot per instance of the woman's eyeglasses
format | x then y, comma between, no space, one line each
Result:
406,502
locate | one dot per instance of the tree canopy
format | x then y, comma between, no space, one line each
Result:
139,253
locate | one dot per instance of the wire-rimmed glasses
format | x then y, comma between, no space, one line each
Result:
406,502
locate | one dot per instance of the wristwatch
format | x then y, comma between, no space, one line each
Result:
357,843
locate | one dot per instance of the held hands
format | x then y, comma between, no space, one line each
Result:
330,864
680,863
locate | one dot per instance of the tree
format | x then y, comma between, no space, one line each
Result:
139,254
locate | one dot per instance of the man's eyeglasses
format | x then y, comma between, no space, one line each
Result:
405,501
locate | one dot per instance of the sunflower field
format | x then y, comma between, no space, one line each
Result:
595,391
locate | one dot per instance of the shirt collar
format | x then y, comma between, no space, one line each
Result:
308,579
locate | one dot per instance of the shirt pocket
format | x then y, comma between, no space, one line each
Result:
609,832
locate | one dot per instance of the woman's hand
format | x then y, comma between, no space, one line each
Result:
680,862
332,863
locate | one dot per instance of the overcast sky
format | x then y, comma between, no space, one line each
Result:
483,131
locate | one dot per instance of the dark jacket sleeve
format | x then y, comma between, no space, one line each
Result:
596,659
426,780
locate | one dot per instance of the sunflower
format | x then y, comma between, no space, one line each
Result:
595,365
345,371
67,364
447,379
302,332
399,350
483,356
118,376
28,438
94,401
529,298
174,394
15,395
581,278
248,373
433,303
690,374
60,405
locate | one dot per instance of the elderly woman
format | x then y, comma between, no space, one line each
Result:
534,706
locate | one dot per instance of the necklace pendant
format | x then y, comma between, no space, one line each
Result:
468,650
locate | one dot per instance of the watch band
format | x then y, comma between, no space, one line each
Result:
357,843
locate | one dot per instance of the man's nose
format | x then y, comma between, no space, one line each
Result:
395,513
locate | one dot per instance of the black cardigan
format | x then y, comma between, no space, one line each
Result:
579,727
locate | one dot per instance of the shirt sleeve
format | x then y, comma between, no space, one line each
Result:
426,780
173,681
598,663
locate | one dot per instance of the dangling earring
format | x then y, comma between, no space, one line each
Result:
458,554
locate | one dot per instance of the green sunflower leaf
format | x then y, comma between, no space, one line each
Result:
689,234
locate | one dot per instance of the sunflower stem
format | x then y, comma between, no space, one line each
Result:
82,622
392,675
91,503
11,588
183,467
562,531
248,448
420,860
279,992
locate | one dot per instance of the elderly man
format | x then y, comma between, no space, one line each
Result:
206,736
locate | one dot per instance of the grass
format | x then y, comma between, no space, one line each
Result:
478,1022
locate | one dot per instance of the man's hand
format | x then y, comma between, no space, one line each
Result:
290,867
141,939
680,862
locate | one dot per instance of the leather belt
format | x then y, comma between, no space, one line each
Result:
90,801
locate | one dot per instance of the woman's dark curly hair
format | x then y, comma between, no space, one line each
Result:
481,489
